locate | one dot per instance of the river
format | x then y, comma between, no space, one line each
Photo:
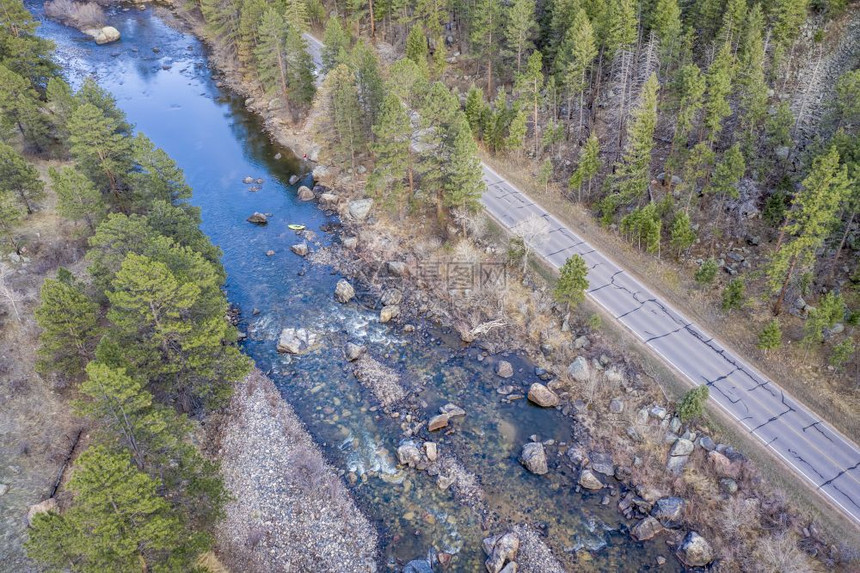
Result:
161,80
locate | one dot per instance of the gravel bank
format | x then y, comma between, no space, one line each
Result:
291,512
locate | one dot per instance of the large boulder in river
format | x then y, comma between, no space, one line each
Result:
104,35
343,292
695,551
504,551
360,209
305,194
533,457
646,529
296,341
301,249
258,219
543,396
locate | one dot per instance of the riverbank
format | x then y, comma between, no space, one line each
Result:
290,510
581,388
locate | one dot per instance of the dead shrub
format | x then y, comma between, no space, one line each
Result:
778,552
81,16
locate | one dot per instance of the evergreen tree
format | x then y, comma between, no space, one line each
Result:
416,49
633,174
270,53
222,20
751,83
61,103
842,353
408,81
719,80
707,272
787,17
19,178
692,406
576,54
20,109
296,16
734,17
848,98
474,109
572,282
830,310
117,521
157,177
691,91
90,92
589,165
517,130
464,182
345,112
77,197
728,172
644,226
99,146
11,214
620,30
392,149
335,43
682,235
371,90
529,86
734,295
70,328
248,33
770,338
484,31
519,28
813,215
667,25
438,111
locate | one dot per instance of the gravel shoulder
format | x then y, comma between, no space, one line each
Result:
290,510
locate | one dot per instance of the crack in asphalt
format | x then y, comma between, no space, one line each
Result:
837,476
848,497
800,459
820,431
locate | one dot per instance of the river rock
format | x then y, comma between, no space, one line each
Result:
646,529
391,296
669,511
320,172
452,410
360,209
418,566
343,292
104,35
354,351
707,444
431,451
504,369
579,369
511,567
581,342
301,249
248,180
678,455
258,219
349,242
305,194
695,551
601,463
616,406
723,467
504,550
388,313
328,200
397,268
49,504
533,457
588,480
543,396
293,178
408,454
296,341
437,422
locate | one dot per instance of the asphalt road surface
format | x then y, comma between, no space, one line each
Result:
813,448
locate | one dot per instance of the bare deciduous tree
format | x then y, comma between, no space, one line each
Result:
533,231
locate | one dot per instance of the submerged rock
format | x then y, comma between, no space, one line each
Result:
305,194
301,249
431,451
418,566
408,454
533,457
504,369
437,422
354,351
343,292
695,551
258,219
452,410
646,529
504,551
389,312
293,178
542,396
588,480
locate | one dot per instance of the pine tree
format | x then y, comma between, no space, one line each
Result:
519,28
848,98
416,49
19,178
11,214
117,522
335,43
787,17
719,80
517,130
99,146
408,81
270,53
692,406
644,226
770,338
572,282
77,197
464,182
682,235
371,90
529,86
811,220
157,177
589,165
70,327
485,24
345,112
751,83
92,93
691,91
830,310
728,172
734,295
707,272
474,109
620,30
438,111
248,32
667,25
576,54
392,150
222,20
20,109
699,165
633,174
296,16
734,17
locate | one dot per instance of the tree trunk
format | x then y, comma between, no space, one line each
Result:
777,307
372,21
841,244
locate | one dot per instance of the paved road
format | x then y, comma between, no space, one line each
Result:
816,451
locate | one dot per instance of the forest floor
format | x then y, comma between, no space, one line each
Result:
38,427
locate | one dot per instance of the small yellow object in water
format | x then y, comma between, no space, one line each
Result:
295,227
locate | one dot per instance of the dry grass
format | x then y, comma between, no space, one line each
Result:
80,15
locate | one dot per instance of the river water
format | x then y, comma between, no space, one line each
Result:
161,80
